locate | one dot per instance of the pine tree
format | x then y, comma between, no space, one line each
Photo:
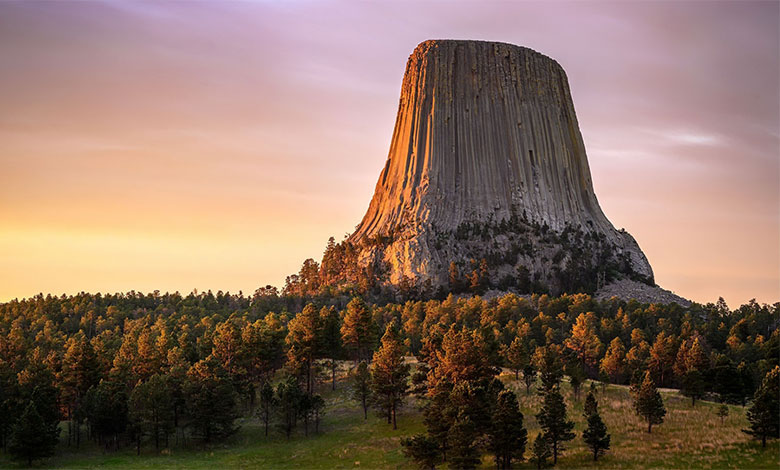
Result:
267,404
302,342
613,363
437,416
515,356
540,451
151,405
595,436
80,371
317,409
648,402
763,413
211,401
723,412
357,331
289,398
552,420
389,375
507,437
361,386
330,339
423,450
107,411
576,377
454,278
547,360
693,385
529,377
662,357
32,437
583,340
464,453
591,405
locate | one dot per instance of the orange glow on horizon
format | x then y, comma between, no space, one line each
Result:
217,145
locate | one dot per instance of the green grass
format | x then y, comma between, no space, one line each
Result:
690,437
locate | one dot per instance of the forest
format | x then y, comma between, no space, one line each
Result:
154,372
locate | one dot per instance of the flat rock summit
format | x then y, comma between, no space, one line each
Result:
487,181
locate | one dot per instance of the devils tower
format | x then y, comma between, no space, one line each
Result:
487,180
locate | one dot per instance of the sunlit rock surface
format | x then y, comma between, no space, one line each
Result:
486,134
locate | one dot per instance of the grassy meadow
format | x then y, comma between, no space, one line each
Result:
690,437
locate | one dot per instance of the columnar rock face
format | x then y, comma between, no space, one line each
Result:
486,141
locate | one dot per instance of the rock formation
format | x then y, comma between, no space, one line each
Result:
487,163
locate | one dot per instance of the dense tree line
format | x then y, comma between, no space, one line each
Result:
157,370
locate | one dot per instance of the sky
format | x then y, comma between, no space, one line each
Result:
175,146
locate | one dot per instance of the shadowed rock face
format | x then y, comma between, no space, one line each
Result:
485,133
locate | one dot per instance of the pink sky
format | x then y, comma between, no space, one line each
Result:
185,145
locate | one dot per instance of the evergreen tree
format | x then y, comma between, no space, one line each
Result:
595,436
231,353
552,420
547,360
515,356
540,451
32,437
80,371
8,410
648,402
723,412
662,357
289,398
151,405
728,383
389,375
613,363
317,409
463,450
423,450
211,401
107,412
693,385
763,414
437,415
330,339
267,404
584,341
576,377
357,330
507,437
529,377
455,282
302,342
361,386
591,405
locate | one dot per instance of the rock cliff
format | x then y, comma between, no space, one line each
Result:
487,163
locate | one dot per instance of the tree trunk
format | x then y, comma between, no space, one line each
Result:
555,453
394,425
649,426
763,441
333,372
308,377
